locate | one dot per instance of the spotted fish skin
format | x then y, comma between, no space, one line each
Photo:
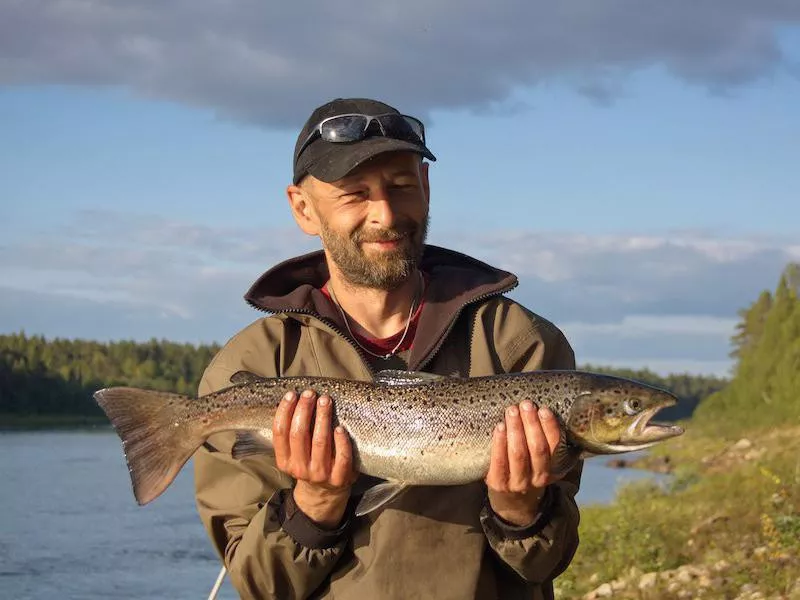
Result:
416,428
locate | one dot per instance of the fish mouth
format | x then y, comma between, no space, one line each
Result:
643,433
646,431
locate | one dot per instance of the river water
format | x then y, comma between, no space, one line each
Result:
70,527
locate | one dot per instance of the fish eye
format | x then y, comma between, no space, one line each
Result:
631,406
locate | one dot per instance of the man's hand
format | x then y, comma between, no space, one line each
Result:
321,462
519,469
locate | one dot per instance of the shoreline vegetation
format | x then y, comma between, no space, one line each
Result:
725,524
33,422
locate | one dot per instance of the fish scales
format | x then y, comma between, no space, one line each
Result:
414,428
435,433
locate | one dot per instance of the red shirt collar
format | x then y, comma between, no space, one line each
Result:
386,345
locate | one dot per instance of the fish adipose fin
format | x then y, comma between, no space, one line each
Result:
399,377
249,443
378,496
241,377
156,441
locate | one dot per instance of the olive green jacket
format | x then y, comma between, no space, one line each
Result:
430,542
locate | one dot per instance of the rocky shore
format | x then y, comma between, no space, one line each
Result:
727,527
689,581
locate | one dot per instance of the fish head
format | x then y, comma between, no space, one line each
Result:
613,415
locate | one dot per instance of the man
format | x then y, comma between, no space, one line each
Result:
377,297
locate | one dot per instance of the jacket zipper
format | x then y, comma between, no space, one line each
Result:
452,324
323,320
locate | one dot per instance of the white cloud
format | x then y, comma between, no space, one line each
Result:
719,368
270,62
621,299
604,278
637,326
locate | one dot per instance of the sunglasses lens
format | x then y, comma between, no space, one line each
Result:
347,128
403,128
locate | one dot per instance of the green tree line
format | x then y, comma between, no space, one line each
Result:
58,377
765,388
42,377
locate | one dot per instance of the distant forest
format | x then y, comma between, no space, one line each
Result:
56,378
765,389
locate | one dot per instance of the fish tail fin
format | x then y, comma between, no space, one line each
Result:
156,439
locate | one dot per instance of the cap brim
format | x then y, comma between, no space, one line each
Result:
340,159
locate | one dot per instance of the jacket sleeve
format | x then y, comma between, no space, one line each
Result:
539,552
270,548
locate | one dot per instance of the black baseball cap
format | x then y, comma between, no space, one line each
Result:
329,161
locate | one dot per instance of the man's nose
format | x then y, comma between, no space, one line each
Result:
382,211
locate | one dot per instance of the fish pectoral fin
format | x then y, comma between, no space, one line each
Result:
241,377
400,377
564,458
249,443
378,496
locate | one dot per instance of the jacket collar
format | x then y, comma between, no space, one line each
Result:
455,280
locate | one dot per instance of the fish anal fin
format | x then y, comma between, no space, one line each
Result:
241,377
378,496
250,443
400,377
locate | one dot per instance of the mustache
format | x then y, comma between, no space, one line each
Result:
384,235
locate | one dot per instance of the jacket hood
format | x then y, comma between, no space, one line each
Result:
454,281
293,285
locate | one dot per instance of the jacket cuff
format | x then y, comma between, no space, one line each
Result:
505,530
300,527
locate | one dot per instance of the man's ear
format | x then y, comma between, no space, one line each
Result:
426,185
303,209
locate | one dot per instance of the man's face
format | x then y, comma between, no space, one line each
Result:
373,223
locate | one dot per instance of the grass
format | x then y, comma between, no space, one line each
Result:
726,502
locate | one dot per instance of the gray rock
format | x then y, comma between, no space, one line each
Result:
604,591
721,565
648,581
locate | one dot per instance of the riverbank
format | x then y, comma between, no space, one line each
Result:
727,525
15,422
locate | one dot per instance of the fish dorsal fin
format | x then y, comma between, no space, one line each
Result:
399,377
241,377
249,443
379,495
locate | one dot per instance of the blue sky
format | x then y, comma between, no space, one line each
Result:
642,182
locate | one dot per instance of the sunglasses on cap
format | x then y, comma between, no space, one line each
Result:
353,128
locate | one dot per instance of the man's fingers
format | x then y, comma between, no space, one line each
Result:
319,465
497,477
551,429
519,464
280,429
342,469
300,435
538,446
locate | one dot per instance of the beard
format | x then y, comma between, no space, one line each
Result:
388,269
